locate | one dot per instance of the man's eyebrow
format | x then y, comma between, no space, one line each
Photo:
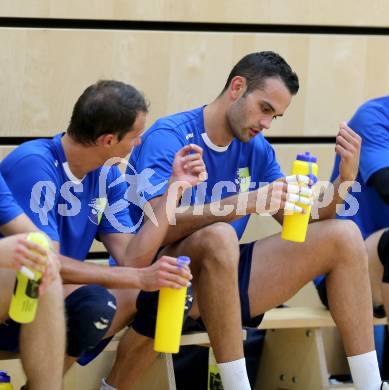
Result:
271,107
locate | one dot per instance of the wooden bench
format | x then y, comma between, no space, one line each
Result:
293,357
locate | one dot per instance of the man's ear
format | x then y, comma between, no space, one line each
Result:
237,87
106,140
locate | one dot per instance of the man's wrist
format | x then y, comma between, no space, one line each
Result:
178,186
252,202
346,179
138,279
344,186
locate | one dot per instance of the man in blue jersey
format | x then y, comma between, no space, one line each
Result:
232,283
71,188
41,342
368,201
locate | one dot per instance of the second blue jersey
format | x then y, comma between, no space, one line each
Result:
235,168
364,205
9,209
70,211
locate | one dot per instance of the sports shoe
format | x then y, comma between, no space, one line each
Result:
385,386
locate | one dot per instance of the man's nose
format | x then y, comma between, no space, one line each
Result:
265,123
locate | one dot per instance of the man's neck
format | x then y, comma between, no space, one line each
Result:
80,158
215,123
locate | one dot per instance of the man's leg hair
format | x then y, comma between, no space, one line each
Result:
42,342
334,248
214,252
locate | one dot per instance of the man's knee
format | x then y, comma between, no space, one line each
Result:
147,309
7,283
54,292
348,243
218,244
90,311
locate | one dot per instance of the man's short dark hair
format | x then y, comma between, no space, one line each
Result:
257,67
106,107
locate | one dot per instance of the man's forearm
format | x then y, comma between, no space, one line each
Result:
79,272
20,224
143,246
190,219
340,192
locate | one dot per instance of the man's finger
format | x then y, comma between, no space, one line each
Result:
291,207
297,179
294,198
340,140
27,272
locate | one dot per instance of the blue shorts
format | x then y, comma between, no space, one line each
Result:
9,336
79,306
144,322
321,288
245,260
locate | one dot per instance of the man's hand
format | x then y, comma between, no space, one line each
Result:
165,272
17,252
282,194
51,272
188,166
348,147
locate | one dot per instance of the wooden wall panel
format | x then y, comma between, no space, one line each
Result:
319,12
325,153
5,149
44,71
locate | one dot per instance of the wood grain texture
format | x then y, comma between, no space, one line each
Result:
319,12
44,71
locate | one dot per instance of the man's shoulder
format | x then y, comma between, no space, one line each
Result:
382,101
375,106
32,152
374,111
181,123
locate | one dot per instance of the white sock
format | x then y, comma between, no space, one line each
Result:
365,371
106,386
234,375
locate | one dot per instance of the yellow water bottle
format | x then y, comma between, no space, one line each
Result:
5,381
295,225
170,315
24,301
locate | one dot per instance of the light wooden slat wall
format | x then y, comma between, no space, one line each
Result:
318,12
44,71
5,149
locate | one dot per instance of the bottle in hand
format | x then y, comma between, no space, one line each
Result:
24,301
295,225
170,316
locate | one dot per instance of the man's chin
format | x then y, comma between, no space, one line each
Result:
246,138
243,136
